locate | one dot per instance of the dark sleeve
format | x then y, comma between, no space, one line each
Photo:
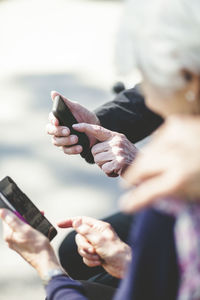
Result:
62,287
128,114
153,273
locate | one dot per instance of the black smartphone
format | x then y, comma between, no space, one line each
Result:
11,197
66,118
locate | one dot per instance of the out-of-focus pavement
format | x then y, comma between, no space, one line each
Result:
63,45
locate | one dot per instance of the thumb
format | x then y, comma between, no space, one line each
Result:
100,133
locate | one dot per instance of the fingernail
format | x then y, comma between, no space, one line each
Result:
78,125
78,149
65,131
73,139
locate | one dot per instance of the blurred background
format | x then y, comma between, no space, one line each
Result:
68,46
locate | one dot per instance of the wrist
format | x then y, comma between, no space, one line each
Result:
126,257
47,261
51,273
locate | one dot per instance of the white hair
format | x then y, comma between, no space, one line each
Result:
162,38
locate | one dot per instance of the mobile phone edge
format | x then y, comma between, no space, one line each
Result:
15,211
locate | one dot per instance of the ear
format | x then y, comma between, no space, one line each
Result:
192,89
192,83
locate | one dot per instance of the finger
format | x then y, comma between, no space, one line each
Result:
90,263
75,222
102,158
83,244
53,120
100,147
110,169
95,231
11,220
64,141
83,225
68,223
72,221
59,131
83,220
147,193
100,133
73,150
91,257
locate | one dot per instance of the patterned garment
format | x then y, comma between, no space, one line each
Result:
187,239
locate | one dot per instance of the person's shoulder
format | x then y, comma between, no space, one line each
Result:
133,94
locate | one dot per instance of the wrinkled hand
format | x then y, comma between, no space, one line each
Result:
168,166
32,245
114,152
61,135
98,244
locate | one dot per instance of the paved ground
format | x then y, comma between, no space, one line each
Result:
51,45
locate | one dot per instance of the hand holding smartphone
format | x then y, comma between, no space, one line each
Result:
66,118
12,198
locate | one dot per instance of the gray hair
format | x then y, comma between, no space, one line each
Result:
163,39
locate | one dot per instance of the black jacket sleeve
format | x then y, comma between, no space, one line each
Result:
128,114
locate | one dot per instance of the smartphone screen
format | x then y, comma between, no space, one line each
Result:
13,198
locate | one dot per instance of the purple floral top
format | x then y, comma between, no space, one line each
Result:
187,238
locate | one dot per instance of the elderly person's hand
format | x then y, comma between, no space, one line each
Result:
32,245
98,244
113,153
169,165
61,136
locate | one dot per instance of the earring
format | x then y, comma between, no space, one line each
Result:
190,96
